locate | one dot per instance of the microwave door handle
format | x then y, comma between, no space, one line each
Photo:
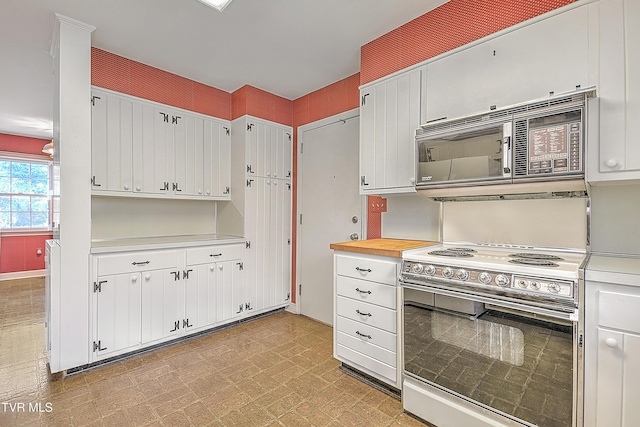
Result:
506,151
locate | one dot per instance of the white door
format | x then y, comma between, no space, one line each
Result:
328,200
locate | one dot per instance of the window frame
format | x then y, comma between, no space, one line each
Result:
32,158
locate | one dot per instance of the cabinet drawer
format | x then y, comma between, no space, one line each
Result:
367,333
209,254
369,314
366,348
368,269
136,261
362,290
619,311
358,359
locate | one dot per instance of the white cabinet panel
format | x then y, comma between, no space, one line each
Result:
118,317
527,63
111,142
615,46
389,116
368,269
162,305
217,151
612,355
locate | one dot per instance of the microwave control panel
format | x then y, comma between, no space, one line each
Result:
555,149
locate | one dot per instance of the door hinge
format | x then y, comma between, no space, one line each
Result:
249,181
176,275
93,100
301,148
288,186
248,307
240,265
289,135
580,340
227,190
97,346
300,289
176,326
93,182
174,120
288,241
226,130
300,219
185,273
250,127
185,323
288,296
249,169
97,286
364,99
165,117
247,244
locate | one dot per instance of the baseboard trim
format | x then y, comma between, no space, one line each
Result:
22,274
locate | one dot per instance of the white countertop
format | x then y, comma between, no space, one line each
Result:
123,244
613,269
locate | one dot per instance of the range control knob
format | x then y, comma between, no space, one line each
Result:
462,274
430,270
447,272
502,280
417,268
535,285
484,277
524,283
554,288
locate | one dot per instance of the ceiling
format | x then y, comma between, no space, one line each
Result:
286,47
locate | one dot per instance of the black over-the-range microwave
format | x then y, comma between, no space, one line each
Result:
542,140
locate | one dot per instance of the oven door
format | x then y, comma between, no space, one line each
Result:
517,364
481,153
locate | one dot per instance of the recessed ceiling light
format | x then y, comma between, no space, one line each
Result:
219,5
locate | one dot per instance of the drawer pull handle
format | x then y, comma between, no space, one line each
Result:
215,255
363,335
363,292
140,263
363,314
361,270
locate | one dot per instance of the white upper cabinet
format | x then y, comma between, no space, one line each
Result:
146,149
111,142
389,116
269,149
525,64
615,58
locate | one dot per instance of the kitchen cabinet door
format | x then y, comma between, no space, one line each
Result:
230,300
389,116
257,232
269,149
551,54
201,288
189,159
614,147
144,149
162,304
117,314
217,155
279,244
111,142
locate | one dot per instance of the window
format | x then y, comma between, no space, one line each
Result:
24,194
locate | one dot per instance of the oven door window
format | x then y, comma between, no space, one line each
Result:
461,156
510,363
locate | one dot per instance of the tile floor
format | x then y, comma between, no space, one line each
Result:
273,371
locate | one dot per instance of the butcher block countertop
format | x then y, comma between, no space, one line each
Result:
383,247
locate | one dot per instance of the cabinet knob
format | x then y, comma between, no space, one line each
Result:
138,188
611,342
134,278
126,187
211,268
199,191
208,192
220,267
412,180
275,182
612,163
147,277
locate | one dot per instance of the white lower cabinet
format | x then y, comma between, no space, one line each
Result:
366,333
612,348
143,298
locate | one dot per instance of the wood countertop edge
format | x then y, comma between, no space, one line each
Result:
382,247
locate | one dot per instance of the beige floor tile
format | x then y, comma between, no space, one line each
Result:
277,370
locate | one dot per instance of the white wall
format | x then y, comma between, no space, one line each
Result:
615,219
410,216
115,217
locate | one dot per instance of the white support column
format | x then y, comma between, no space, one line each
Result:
71,51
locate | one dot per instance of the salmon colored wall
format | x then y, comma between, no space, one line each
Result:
123,75
447,27
259,103
18,253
